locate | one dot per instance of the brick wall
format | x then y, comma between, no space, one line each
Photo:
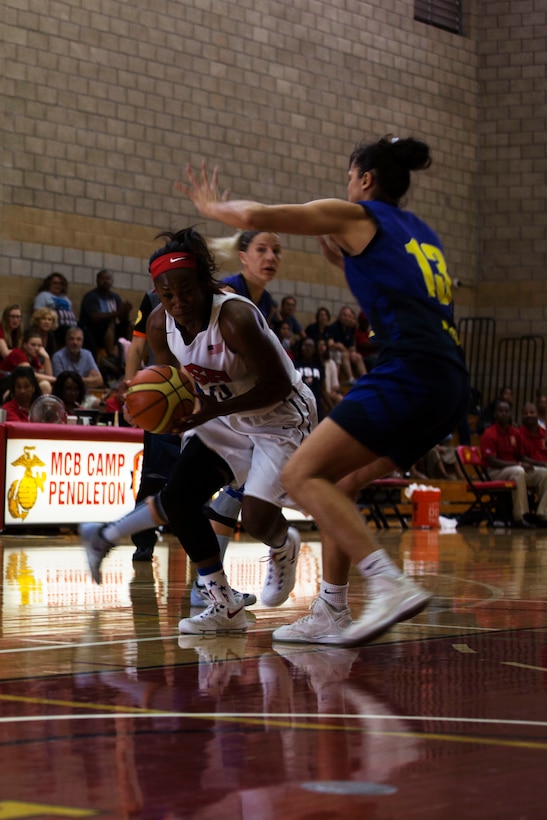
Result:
512,125
104,104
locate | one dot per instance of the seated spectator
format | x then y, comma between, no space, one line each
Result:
31,353
286,313
11,329
320,328
486,417
503,454
441,462
114,403
342,345
333,394
260,257
53,294
541,404
75,357
70,388
44,322
23,392
306,361
104,317
284,334
533,436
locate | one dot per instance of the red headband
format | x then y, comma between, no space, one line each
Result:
172,261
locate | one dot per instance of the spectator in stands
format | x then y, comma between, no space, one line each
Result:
320,328
260,257
11,329
307,362
286,313
53,294
533,436
23,392
486,417
104,317
441,462
31,353
504,457
342,342
44,322
75,357
333,394
283,332
70,388
541,404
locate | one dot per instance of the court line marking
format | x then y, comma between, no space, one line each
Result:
525,666
137,711
276,721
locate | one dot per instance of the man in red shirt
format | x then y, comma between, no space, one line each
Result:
533,436
504,456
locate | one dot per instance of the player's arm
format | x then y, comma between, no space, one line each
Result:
347,223
93,380
157,338
134,356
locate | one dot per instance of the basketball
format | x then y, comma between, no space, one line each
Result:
159,395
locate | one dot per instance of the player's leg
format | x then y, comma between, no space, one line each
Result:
223,512
160,453
313,478
402,409
265,521
198,473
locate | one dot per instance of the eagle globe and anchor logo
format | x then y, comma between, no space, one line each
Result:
23,492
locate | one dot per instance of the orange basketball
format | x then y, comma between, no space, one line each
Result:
159,395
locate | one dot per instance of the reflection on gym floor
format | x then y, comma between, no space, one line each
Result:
107,711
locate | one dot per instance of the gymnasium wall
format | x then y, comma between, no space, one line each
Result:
104,103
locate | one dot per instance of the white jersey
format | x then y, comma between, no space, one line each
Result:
215,368
257,443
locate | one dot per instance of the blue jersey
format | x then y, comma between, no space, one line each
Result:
238,284
401,282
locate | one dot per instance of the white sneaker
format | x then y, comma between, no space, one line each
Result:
199,596
389,600
324,624
96,547
281,570
217,618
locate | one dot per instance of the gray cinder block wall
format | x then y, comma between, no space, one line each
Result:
103,104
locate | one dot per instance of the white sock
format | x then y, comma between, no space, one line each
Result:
335,594
378,563
141,518
218,587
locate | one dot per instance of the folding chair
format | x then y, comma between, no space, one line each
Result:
381,493
492,498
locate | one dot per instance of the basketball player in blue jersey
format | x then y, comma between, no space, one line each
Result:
414,397
254,412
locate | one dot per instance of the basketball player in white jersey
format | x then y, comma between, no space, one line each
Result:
254,412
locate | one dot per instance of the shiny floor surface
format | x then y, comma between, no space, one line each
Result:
106,712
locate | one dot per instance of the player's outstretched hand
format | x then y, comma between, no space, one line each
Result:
202,190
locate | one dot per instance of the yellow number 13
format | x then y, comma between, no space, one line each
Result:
433,267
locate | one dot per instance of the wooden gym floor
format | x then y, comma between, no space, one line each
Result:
106,712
